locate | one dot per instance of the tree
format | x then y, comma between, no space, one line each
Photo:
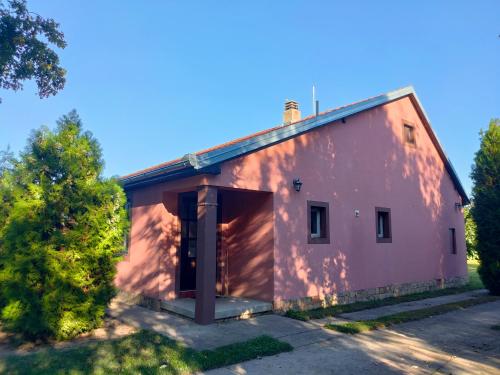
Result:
60,236
24,49
486,212
7,165
470,234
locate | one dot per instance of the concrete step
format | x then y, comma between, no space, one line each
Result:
225,307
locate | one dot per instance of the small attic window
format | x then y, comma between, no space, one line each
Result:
409,134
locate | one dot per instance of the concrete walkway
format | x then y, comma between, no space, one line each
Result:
212,336
460,342
414,305
295,332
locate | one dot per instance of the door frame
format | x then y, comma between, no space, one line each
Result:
221,251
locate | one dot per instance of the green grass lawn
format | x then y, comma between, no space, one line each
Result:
141,353
474,279
406,316
474,283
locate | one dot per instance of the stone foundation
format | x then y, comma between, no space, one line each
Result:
343,298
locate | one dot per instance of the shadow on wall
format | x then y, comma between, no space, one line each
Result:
145,269
248,239
359,164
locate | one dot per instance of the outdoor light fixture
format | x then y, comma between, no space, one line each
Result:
297,184
458,206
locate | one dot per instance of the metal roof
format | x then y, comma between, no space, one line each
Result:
209,161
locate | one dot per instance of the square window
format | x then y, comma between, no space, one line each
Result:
383,224
453,241
409,134
318,223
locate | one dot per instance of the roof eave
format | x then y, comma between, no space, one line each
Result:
168,175
209,162
449,166
282,134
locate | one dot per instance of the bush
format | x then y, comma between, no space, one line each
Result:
486,211
63,225
470,234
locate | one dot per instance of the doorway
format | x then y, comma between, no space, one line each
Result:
188,213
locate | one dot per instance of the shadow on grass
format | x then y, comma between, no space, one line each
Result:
143,352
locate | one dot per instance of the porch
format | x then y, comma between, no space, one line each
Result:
225,253
225,307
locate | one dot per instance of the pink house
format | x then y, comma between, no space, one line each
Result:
355,203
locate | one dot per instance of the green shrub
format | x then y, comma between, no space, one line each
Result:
62,228
486,208
470,234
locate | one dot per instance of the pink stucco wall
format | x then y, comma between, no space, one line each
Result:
356,165
249,243
149,267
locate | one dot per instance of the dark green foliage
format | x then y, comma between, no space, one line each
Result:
406,316
140,353
62,226
25,52
486,210
298,315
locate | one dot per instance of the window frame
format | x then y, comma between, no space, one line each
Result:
324,237
414,133
452,236
386,210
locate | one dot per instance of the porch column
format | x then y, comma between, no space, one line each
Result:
206,255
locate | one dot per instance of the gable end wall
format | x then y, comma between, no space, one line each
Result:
357,165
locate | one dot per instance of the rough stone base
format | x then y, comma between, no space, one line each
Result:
343,298
138,299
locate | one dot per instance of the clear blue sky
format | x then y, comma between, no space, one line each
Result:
155,80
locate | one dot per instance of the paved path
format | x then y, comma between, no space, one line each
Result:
414,305
459,342
215,335
293,331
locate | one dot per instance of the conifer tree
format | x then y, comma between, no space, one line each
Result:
486,208
61,230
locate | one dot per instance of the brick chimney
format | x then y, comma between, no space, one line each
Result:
292,113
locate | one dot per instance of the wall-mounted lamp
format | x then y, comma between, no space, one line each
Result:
458,206
297,184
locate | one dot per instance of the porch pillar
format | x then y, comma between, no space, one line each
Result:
206,255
